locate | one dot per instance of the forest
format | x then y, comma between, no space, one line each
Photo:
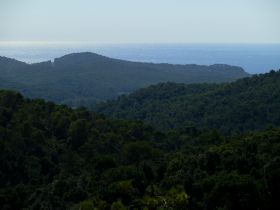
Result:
83,79
248,104
56,157
139,105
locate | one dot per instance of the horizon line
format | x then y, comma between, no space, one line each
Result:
35,42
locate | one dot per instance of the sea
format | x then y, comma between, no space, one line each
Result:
253,58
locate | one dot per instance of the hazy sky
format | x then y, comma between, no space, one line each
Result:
141,21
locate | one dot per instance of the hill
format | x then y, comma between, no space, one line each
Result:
85,78
54,157
245,105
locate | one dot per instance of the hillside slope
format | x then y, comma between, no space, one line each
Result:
247,104
54,157
85,78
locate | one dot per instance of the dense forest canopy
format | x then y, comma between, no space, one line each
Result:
194,146
245,105
86,78
55,157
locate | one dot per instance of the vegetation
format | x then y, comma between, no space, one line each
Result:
54,157
245,105
86,78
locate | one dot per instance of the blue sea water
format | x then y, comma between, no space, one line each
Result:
254,58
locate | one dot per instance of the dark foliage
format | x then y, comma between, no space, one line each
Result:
245,105
54,157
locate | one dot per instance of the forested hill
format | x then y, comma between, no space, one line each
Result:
247,104
85,78
53,157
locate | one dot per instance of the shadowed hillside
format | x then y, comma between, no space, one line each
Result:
54,157
247,104
86,78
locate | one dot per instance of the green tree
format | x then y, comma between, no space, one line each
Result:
118,205
86,205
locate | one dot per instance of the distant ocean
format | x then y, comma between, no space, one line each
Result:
254,58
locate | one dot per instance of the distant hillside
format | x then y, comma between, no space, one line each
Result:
85,78
247,104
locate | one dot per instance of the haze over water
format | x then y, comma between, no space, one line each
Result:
254,58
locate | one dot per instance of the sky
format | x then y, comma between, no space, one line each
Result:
140,21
